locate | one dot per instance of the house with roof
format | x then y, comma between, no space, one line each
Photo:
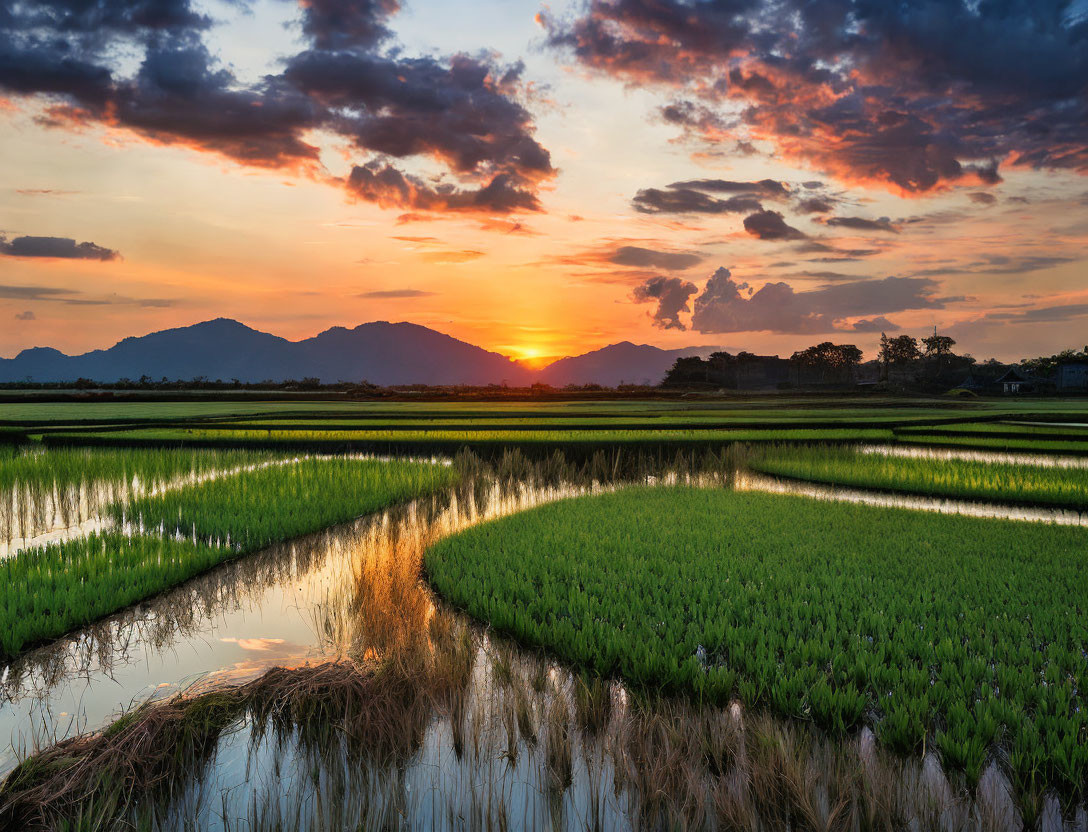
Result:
1072,376
1015,381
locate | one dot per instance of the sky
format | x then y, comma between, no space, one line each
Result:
546,179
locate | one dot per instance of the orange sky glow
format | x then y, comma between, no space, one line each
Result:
676,193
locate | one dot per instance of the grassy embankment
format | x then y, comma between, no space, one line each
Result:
1034,485
48,591
971,633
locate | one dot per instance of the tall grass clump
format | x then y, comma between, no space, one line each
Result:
252,510
46,592
960,634
1010,482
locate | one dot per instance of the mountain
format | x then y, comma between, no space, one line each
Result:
617,363
379,352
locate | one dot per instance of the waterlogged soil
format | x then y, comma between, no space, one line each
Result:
523,744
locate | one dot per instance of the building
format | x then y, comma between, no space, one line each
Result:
1014,382
1072,376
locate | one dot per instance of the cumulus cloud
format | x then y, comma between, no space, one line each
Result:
892,95
770,225
671,295
777,307
463,111
55,247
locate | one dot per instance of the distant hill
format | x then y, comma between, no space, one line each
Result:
622,363
379,352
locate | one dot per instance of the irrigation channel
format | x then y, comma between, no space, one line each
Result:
474,731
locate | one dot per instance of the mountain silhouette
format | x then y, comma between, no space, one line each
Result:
379,352
622,363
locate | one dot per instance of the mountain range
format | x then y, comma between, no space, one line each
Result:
380,352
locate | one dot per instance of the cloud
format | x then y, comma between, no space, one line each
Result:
671,295
73,297
769,225
34,292
910,97
877,324
769,188
144,67
387,186
28,315
815,205
677,200
862,224
777,307
982,198
648,258
452,256
336,24
385,294
55,247
1046,314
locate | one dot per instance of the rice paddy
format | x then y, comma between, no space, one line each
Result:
1028,484
966,634
607,649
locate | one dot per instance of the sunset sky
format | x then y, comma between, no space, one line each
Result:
543,180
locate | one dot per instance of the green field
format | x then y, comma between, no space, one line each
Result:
32,468
49,590
252,510
453,439
969,632
993,481
46,592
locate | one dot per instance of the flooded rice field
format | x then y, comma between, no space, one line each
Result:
437,723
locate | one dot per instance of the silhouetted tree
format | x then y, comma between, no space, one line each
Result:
836,362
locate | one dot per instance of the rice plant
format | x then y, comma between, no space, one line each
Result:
254,509
967,635
48,591
994,481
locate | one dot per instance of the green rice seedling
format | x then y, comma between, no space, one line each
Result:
252,510
46,592
995,481
41,488
990,443
954,632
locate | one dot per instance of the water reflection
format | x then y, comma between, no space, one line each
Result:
754,481
448,726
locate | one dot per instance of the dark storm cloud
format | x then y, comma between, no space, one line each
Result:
911,96
777,307
688,201
671,295
862,224
57,247
769,225
461,110
341,24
